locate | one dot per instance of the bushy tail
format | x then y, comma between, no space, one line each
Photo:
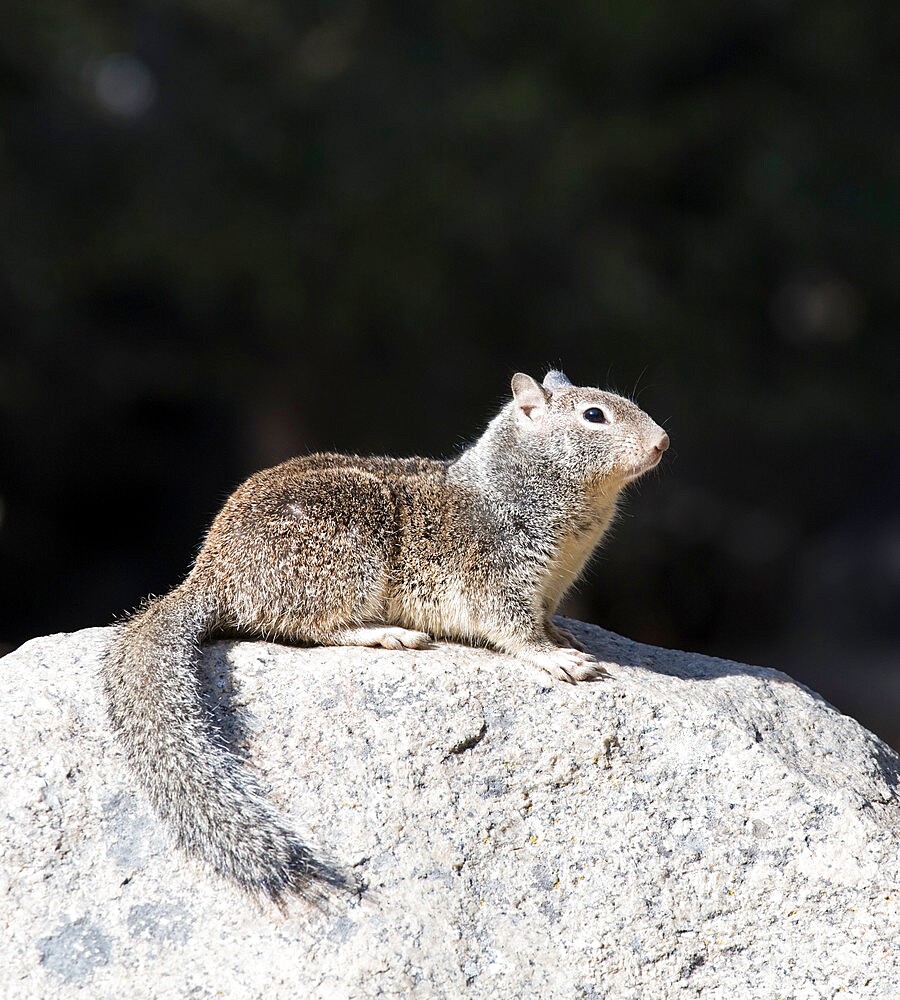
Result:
195,782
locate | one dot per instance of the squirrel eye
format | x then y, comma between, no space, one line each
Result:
594,415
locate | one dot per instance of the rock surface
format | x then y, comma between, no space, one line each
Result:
692,827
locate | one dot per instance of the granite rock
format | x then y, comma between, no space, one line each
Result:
691,827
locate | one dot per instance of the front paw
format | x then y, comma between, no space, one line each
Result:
563,637
567,665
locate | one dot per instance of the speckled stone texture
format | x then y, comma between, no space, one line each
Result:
690,828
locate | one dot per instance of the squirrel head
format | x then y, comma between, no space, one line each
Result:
601,439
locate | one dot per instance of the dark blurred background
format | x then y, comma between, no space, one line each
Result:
236,231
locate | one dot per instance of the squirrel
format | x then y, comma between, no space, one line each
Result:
340,550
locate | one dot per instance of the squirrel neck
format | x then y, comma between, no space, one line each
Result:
527,472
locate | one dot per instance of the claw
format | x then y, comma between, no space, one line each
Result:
563,637
567,665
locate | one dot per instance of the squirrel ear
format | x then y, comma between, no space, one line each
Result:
531,399
555,379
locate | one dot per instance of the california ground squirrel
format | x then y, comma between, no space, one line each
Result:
341,550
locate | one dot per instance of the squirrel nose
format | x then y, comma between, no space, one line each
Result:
662,443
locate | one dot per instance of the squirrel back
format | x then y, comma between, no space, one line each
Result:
343,550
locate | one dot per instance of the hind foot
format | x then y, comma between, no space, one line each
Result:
388,637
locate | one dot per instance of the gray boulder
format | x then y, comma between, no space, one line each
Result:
691,827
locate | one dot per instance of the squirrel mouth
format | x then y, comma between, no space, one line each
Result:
650,462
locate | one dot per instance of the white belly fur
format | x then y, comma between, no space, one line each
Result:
569,560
